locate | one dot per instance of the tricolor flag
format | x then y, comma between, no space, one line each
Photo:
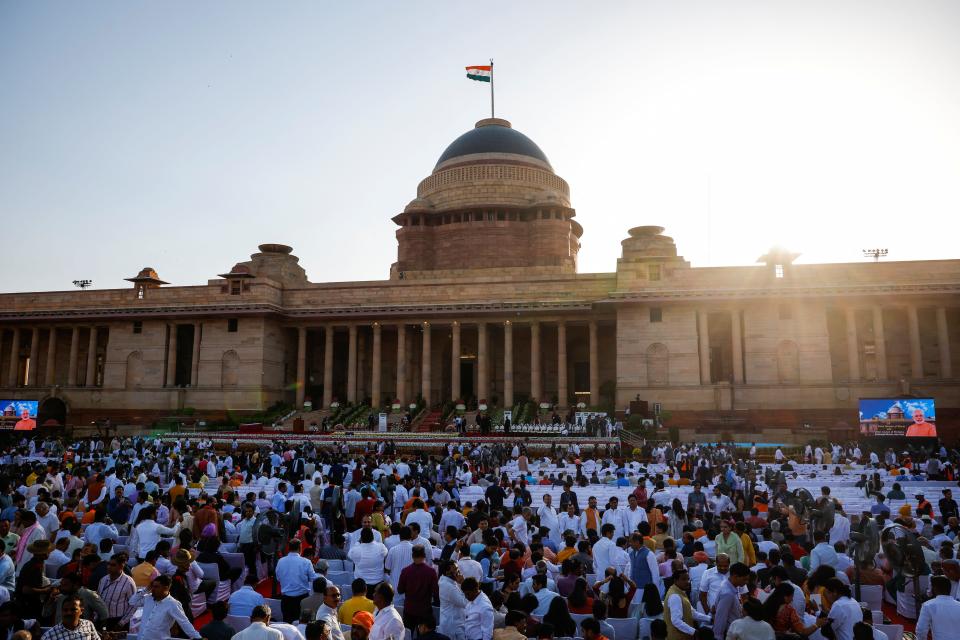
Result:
480,72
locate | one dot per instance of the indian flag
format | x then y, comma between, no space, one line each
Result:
481,73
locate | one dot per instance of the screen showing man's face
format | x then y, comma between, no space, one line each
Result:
918,416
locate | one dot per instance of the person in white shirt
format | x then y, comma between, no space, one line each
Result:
452,517
387,622
822,553
711,581
845,612
368,557
612,515
571,521
452,601
549,519
470,568
602,549
161,611
259,628
517,528
149,532
399,556
417,540
840,531
354,536
633,515
420,516
478,614
751,626
939,617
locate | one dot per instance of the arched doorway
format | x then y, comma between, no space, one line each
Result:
52,409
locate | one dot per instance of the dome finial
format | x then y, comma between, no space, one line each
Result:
493,122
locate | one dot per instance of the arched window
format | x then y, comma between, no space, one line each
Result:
788,362
230,369
134,379
658,365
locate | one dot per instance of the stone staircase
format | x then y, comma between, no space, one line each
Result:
308,416
429,421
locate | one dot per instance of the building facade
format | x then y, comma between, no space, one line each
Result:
485,303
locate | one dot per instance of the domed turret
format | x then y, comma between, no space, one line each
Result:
492,201
493,136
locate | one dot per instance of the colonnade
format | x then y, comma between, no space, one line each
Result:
913,334
483,360
13,377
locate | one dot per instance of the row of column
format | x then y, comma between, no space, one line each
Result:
853,348
171,375
483,373
880,343
13,369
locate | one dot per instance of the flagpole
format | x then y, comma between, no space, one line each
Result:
491,89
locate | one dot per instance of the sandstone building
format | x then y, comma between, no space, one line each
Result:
774,345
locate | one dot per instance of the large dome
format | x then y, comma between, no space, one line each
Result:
493,135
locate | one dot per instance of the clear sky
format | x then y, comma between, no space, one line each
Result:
180,135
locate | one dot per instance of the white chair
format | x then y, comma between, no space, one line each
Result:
212,572
872,594
236,561
198,604
276,612
624,628
579,617
893,631
239,623
340,578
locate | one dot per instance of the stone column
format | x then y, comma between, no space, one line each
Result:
90,380
74,356
916,354
402,365
455,361
703,328
195,361
507,365
562,390
736,334
536,375
13,368
375,392
594,365
853,347
361,365
426,370
34,358
879,343
352,364
51,357
301,366
327,365
483,374
943,341
171,357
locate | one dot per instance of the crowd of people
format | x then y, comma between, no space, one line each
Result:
477,542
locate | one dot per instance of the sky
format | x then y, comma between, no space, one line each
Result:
180,135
